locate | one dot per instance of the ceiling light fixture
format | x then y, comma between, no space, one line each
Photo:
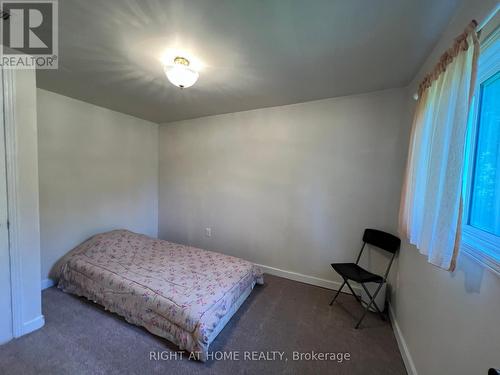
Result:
180,73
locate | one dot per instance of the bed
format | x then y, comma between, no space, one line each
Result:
183,294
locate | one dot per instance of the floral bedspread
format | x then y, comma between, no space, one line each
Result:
178,292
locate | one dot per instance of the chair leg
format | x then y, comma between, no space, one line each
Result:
369,305
337,294
354,294
382,316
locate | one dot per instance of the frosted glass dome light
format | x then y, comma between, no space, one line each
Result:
180,73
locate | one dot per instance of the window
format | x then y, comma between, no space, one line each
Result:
481,221
485,194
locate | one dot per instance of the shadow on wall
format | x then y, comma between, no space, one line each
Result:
473,273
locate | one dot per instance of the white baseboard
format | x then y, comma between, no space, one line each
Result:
33,325
312,280
403,347
47,283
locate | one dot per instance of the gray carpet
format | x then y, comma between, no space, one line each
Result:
79,337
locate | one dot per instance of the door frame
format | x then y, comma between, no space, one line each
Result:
13,204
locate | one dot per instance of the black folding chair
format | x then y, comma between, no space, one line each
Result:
352,271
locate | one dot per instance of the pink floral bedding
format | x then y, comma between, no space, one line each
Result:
177,292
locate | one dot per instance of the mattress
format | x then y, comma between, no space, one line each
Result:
181,293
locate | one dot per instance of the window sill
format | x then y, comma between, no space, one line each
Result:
481,248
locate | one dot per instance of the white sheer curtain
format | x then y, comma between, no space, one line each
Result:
431,205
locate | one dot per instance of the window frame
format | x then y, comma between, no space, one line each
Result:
479,244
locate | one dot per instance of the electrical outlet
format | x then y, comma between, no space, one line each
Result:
208,232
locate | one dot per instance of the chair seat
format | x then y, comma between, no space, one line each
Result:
356,273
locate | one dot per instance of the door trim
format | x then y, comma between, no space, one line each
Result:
13,201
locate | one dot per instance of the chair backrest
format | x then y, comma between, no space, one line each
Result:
382,240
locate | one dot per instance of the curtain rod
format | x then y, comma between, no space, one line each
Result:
479,27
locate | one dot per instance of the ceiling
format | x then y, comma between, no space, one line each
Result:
255,53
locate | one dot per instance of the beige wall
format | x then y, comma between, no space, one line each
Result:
289,187
98,171
449,322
